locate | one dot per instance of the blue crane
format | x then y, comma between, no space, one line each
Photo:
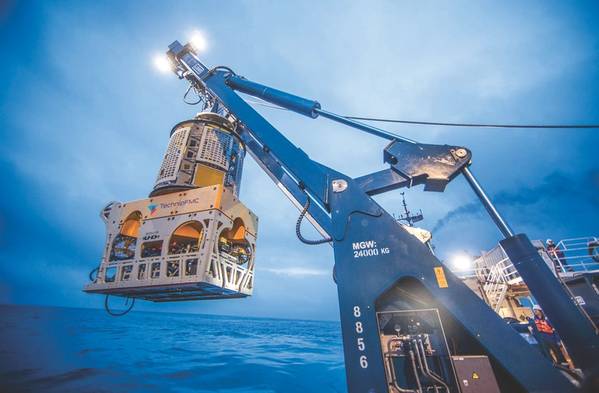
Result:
405,318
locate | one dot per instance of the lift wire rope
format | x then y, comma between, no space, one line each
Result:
478,125
446,124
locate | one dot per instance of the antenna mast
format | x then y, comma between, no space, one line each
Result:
406,216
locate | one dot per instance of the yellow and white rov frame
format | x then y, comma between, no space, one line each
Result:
192,238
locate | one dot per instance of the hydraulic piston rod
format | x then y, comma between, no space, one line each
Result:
285,100
484,199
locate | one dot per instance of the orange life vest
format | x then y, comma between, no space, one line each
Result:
543,326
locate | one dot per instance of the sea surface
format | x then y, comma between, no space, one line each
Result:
47,349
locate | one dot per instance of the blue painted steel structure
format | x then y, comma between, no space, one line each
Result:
379,266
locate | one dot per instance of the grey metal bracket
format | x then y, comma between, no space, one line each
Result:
431,165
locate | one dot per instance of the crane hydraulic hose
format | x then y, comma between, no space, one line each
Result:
298,227
430,373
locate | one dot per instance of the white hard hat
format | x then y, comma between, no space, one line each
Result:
549,241
537,307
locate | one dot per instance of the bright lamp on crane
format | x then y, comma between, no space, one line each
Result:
162,63
462,262
198,41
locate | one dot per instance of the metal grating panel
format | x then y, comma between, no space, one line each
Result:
216,147
173,156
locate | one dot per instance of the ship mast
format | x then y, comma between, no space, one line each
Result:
407,216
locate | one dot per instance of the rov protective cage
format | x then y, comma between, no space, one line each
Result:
192,238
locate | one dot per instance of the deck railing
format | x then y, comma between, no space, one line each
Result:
574,256
496,272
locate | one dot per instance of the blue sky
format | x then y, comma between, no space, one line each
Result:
84,119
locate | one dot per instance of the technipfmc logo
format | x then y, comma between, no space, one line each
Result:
152,208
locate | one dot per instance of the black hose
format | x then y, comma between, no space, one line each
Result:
118,314
187,92
91,274
214,69
298,227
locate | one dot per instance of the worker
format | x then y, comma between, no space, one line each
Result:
558,256
548,339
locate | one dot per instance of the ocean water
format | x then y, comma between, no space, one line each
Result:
46,349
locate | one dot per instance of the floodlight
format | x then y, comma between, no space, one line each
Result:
462,262
198,41
162,63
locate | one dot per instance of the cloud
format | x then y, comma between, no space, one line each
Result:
298,271
553,190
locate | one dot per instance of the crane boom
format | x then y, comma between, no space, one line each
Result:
400,307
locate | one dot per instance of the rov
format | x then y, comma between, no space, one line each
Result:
192,238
